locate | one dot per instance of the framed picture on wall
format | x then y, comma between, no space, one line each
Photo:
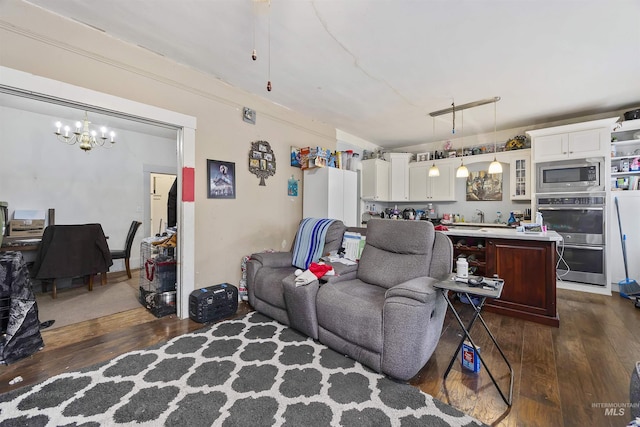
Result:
221,179
483,185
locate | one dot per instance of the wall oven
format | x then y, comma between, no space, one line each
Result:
580,218
570,175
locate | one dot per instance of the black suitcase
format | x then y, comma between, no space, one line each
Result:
213,303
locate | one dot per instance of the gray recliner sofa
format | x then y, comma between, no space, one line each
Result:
385,312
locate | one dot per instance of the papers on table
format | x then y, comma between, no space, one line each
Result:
334,259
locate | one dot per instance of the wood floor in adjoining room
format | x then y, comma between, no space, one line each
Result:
563,376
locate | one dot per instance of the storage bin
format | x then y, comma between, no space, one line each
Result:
158,275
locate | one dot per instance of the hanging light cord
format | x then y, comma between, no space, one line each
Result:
254,53
453,110
269,52
494,127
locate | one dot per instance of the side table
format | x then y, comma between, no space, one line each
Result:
493,289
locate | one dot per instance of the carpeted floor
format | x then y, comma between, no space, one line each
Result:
78,304
247,372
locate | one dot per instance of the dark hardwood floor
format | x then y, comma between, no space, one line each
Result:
561,374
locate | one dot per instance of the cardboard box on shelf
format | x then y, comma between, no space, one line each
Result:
314,157
26,227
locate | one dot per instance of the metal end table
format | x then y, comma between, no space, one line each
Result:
492,289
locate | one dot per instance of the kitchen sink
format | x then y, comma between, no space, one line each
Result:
463,227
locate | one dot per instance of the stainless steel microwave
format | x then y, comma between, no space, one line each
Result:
570,175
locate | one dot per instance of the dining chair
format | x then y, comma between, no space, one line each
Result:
126,252
69,251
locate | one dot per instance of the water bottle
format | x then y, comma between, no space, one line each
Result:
512,219
462,268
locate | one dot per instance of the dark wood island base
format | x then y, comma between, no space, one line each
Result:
526,262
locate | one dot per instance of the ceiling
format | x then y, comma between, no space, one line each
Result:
377,68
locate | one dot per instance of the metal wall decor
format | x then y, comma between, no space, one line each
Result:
262,160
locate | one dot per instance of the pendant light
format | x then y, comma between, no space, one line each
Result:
495,166
433,170
462,171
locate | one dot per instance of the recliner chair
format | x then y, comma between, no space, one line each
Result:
389,317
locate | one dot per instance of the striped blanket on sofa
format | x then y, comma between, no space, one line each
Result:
310,241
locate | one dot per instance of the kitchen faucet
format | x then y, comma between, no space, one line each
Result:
481,215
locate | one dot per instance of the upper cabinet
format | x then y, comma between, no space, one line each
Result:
423,187
399,180
520,175
403,181
375,179
572,145
575,141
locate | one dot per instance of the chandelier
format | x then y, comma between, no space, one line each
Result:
85,137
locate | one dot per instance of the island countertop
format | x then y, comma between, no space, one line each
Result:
501,233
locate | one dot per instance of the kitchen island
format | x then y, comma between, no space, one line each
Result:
526,262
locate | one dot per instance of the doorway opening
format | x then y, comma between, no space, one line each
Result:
28,86
163,214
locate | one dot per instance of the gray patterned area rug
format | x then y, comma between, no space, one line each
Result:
251,371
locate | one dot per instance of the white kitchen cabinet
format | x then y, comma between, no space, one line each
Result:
520,176
331,193
422,187
418,185
573,145
576,141
399,178
375,179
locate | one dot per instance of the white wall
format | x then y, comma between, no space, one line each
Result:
102,186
